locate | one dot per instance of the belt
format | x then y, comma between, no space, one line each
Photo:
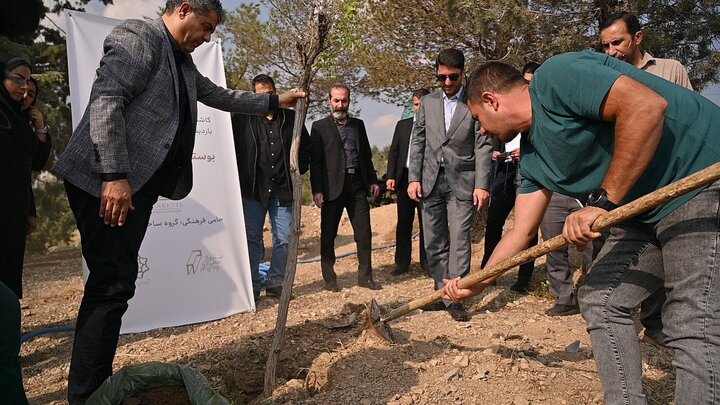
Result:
351,170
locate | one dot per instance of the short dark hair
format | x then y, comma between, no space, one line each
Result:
202,7
450,57
263,79
338,86
631,22
496,77
530,67
419,93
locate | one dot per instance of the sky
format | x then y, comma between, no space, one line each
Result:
380,118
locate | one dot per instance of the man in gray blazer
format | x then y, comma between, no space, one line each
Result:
449,171
133,144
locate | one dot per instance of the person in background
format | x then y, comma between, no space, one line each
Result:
262,149
397,179
20,145
342,176
450,164
26,146
37,121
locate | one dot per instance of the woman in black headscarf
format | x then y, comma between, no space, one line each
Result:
25,147
18,144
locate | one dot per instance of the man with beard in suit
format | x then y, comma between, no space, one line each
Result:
341,175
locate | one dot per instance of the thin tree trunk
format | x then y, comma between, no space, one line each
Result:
308,53
289,280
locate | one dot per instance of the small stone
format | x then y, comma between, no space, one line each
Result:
574,347
452,374
462,361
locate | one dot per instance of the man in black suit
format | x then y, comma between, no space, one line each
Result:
341,174
397,179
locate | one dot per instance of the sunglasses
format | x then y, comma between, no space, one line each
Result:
453,77
19,80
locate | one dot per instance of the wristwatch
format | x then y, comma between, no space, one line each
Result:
598,198
41,131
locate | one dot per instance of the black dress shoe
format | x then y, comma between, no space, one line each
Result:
369,284
398,271
563,310
435,306
458,312
333,287
276,292
520,288
273,291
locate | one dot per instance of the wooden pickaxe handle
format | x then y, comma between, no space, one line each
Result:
620,214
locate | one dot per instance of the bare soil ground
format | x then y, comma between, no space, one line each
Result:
509,353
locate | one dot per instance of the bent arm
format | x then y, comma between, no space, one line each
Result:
131,54
483,159
417,146
638,113
529,211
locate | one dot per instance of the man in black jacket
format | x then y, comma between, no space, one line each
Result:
341,174
397,179
262,148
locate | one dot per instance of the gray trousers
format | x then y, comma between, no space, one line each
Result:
558,267
446,224
684,248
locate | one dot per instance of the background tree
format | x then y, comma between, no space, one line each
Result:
404,39
268,45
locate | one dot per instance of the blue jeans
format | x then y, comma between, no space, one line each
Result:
682,249
281,223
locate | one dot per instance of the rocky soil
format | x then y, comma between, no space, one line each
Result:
510,352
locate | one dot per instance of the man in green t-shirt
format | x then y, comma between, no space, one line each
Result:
598,129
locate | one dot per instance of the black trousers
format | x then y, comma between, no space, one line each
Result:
406,208
354,199
502,201
111,256
12,249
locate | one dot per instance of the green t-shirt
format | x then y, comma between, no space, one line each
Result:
569,148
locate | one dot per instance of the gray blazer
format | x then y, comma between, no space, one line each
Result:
133,112
467,153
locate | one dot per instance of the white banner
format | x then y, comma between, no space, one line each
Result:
193,263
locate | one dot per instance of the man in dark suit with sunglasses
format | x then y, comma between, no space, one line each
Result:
449,171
